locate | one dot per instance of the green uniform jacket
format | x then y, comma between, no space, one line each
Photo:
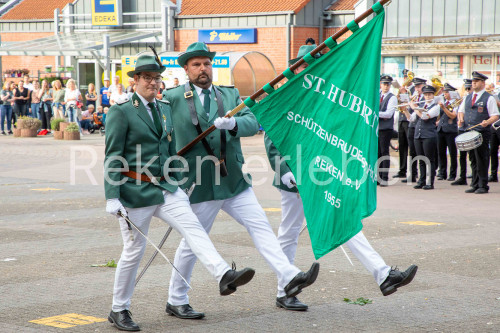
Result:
129,125
184,130
272,154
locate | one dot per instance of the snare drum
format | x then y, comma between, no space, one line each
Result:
468,140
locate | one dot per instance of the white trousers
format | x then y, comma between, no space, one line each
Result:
292,217
177,212
245,209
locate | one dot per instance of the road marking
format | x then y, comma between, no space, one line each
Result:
422,223
68,320
46,189
272,209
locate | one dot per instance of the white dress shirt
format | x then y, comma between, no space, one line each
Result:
491,104
391,107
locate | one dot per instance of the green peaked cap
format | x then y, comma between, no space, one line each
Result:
197,49
146,63
304,49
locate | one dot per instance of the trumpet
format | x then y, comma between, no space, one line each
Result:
437,84
408,104
409,78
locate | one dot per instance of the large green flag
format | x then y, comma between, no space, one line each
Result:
325,120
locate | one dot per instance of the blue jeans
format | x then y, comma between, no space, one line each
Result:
6,112
35,109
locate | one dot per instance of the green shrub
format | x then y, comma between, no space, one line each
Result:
73,127
32,123
54,123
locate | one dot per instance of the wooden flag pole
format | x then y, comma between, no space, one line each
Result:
280,77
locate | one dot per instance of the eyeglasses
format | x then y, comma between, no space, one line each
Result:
148,78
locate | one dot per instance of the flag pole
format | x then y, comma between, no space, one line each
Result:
280,77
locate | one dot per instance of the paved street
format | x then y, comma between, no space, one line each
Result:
53,228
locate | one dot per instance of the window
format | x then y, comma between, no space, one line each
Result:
452,67
393,66
423,67
482,63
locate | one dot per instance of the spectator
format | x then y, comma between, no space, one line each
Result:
35,100
71,97
27,82
104,94
21,96
6,96
100,112
112,88
106,109
310,41
46,97
118,96
87,117
91,95
58,105
130,88
176,82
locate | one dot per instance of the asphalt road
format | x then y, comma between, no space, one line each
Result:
53,228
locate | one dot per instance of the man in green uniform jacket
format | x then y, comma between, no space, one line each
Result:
196,106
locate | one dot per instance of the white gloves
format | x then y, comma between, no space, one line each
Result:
113,206
287,179
223,123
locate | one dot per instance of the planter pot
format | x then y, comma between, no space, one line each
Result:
28,133
60,69
19,74
71,135
17,132
69,69
63,125
58,135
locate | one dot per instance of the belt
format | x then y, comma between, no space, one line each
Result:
142,177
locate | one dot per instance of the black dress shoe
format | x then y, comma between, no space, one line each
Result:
441,177
418,186
398,175
459,181
481,190
397,279
493,179
184,311
302,280
233,279
471,190
450,179
123,321
290,303
428,187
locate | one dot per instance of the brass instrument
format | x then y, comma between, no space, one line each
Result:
454,104
437,84
496,125
409,78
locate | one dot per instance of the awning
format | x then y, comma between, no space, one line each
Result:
74,44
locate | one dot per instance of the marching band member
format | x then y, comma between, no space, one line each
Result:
462,179
447,132
479,108
426,136
388,106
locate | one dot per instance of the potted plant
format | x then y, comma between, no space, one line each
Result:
60,69
25,71
56,128
48,68
72,132
69,68
30,127
8,72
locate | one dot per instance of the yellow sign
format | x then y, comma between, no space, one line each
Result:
107,12
45,189
422,223
68,320
271,209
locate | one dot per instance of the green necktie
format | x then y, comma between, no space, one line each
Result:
156,117
206,101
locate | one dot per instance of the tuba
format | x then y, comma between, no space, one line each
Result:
437,84
409,78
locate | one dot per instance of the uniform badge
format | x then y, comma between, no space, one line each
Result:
480,109
136,103
169,137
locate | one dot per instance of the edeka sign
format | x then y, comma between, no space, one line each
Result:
107,12
233,36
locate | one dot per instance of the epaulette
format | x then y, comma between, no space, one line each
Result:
228,86
171,88
163,101
123,102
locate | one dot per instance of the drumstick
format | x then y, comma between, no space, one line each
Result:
473,127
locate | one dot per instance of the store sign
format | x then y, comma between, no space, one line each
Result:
483,62
221,70
233,36
107,12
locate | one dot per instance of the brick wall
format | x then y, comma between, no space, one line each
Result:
33,63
